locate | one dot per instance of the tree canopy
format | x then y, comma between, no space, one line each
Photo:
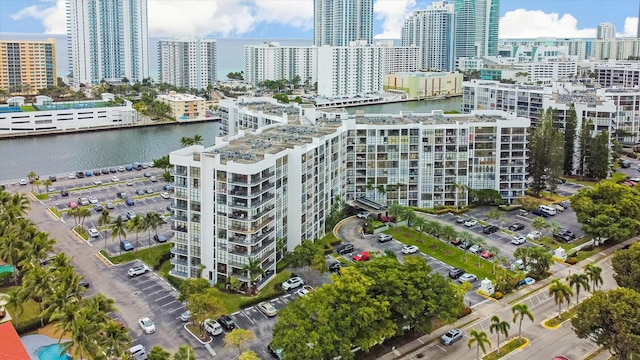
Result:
626,264
546,151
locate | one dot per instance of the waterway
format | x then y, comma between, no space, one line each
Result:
61,154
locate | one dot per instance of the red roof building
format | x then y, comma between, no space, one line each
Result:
11,347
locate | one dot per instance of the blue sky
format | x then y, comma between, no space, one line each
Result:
293,18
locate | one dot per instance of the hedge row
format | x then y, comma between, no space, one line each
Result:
30,325
441,210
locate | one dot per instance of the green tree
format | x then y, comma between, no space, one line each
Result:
448,233
611,319
481,340
249,355
598,156
626,266
561,292
570,127
498,326
82,214
409,215
540,261
158,353
608,211
238,338
584,139
15,301
496,255
519,312
32,176
304,253
38,248
395,210
114,339
595,275
162,163
546,151
578,281
336,214
523,253
118,229
539,223
136,224
253,270
103,220
37,183
46,184
185,352
419,224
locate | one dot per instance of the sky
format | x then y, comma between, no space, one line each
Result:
293,19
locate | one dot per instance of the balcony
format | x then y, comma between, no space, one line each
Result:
178,273
178,217
175,172
179,228
175,250
177,261
179,206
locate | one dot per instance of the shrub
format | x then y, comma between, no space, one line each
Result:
498,295
335,241
632,155
220,286
176,282
29,325
571,261
5,278
328,249
161,260
466,311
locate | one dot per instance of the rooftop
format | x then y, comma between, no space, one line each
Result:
56,106
173,96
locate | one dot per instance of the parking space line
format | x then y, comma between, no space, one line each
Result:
247,316
176,309
164,297
169,303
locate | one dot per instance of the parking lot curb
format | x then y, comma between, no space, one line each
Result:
104,260
338,225
196,337
79,237
485,296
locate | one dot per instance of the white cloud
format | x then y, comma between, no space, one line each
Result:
297,13
630,27
52,16
522,23
392,13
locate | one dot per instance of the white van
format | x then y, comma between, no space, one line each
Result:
138,352
547,209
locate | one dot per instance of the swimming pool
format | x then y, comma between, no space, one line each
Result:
6,268
51,352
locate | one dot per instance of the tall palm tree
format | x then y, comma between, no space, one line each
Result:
578,281
499,326
480,242
595,275
459,188
18,206
561,292
520,311
419,224
46,184
481,340
409,215
103,220
118,229
136,224
38,248
32,177
495,251
448,233
253,270
197,139
115,339
466,237
83,213
37,285
16,301
395,210
37,183
83,331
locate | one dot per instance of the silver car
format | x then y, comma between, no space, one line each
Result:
451,336
466,277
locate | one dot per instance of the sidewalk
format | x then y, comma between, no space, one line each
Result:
486,310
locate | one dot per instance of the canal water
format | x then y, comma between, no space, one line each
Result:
61,154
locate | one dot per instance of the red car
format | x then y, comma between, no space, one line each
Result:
361,256
486,255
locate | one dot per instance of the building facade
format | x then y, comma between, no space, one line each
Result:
581,49
185,106
605,31
400,59
235,201
433,31
616,49
47,116
271,61
620,74
419,85
349,70
27,66
107,39
340,22
477,23
188,63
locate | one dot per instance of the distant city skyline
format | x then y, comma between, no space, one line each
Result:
294,18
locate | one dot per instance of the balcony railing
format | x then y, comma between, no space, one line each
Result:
176,261
178,217
174,272
175,250
179,228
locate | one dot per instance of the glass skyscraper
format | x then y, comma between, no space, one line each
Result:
338,22
477,24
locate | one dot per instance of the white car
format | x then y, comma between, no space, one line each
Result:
471,223
129,183
292,283
534,235
138,270
97,182
363,214
164,195
212,327
409,249
475,249
93,200
466,277
306,289
115,178
93,233
23,182
518,240
121,168
147,325
185,316
71,176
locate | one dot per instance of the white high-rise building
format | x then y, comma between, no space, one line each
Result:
107,39
339,22
271,61
350,70
189,63
433,31
606,30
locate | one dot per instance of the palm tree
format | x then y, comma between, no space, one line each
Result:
46,184
114,340
520,311
197,139
409,215
103,220
37,183
594,274
38,247
481,243
466,237
523,253
448,233
495,251
561,292
481,340
395,210
136,224
83,213
74,213
32,177
498,326
36,283
253,270
15,301
117,228
419,224
553,226
459,188
186,141
83,330
578,281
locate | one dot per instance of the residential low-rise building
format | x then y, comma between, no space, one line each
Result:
44,115
425,84
185,107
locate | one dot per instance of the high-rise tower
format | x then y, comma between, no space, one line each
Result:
338,22
606,31
477,24
107,39
187,62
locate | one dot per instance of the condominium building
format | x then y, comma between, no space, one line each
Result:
190,63
616,49
27,66
107,39
397,59
339,22
349,70
425,84
523,100
531,72
605,31
621,74
538,53
185,106
477,23
233,201
272,61
433,31
581,49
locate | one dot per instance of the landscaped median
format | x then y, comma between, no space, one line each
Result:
444,252
511,346
555,322
151,256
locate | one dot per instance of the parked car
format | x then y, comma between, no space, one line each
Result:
335,266
490,229
212,327
384,238
115,178
534,235
97,182
160,238
138,270
475,249
455,242
149,191
23,182
538,212
121,168
96,173
105,171
226,322
361,256
84,283
563,237
147,325
64,193
97,207
409,249
122,195
110,206
267,309
305,290
153,179
93,233
53,178
466,277
455,273
72,204
558,207
140,192
147,174
516,227
461,219
471,223
276,352
138,352
129,202
93,200
129,183
131,214
487,255
527,281
88,173
79,174
71,176
126,245
113,170
164,195
567,232
363,214
292,283
519,240
451,336
344,249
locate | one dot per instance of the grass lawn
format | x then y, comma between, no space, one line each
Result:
55,211
444,252
329,238
30,308
43,196
582,254
582,182
150,256
505,349
80,230
564,316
